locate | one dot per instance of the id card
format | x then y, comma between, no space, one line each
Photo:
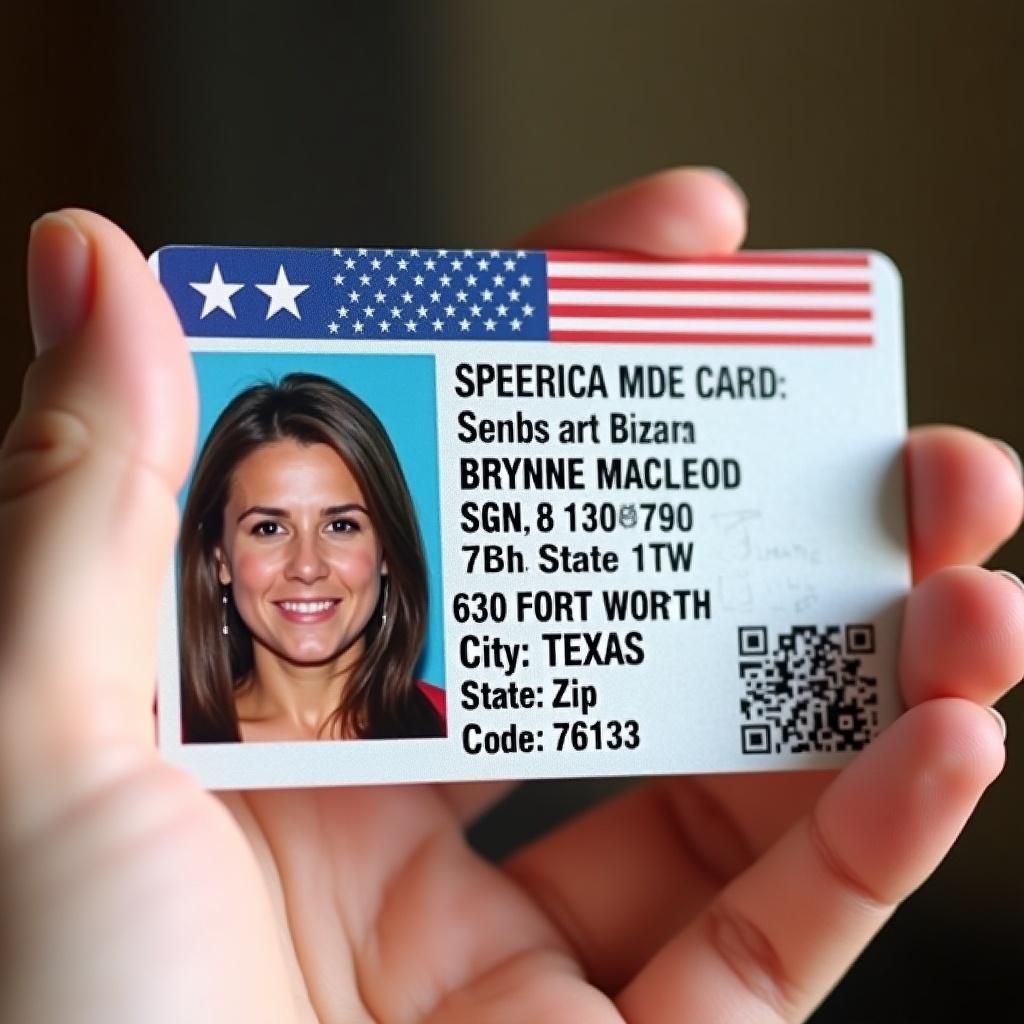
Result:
495,514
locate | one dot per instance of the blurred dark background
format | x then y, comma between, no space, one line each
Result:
894,126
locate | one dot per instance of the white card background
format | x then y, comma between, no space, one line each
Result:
812,536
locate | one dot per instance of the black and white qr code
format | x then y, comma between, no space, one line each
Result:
806,690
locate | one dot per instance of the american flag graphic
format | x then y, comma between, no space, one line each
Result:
344,294
779,298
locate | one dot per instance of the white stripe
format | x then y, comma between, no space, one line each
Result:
629,323
742,300
707,272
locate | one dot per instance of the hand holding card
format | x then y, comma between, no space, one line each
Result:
138,882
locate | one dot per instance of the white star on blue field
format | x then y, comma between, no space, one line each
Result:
401,294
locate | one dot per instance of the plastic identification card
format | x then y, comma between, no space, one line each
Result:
495,514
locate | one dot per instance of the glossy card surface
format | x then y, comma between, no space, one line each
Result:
494,514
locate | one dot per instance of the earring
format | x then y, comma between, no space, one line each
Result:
384,605
224,612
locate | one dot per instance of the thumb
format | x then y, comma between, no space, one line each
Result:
88,476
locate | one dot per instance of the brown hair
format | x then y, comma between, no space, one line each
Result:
381,698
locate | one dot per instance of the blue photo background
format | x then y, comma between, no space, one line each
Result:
400,390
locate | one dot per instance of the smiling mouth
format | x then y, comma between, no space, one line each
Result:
307,607
308,612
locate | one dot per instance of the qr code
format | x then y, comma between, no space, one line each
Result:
805,691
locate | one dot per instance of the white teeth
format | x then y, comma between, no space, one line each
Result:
306,607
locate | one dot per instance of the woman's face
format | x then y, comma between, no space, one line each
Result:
299,552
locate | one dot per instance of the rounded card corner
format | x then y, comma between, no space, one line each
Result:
885,266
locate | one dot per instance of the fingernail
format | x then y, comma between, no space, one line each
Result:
729,180
1002,721
1012,577
1011,454
60,268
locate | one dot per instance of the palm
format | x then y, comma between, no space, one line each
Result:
392,916
707,900
389,915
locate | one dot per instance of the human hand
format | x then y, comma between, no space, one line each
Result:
129,894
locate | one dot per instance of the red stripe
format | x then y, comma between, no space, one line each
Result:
620,336
688,285
756,259
710,312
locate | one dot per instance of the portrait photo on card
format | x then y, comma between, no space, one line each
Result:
309,562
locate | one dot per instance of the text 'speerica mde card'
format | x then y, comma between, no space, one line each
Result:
494,514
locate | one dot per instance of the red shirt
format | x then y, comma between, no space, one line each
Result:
436,697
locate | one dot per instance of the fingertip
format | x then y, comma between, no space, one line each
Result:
1011,453
1000,723
943,751
683,211
895,811
691,209
137,349
963,636
728,180
60,272
125,285
959,744
965,497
